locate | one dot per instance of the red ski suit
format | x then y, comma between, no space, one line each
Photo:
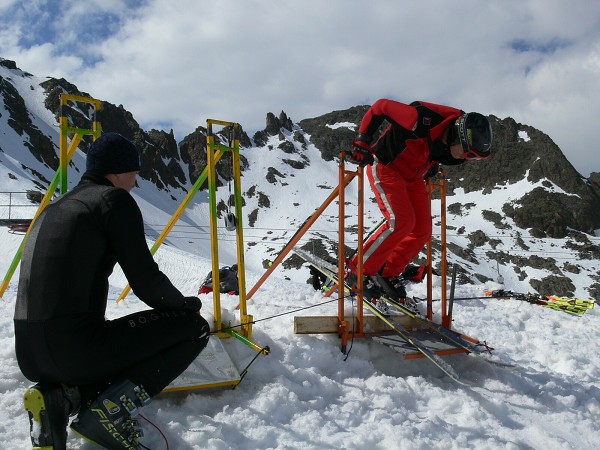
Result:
404,152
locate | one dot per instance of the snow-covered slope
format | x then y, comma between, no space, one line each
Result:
307,395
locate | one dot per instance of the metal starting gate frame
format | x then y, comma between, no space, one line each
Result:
219,370
361,325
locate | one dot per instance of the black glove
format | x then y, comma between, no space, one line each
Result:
192,303
433,170
361,152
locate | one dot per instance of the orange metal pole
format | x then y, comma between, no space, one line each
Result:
446,318
344,329
360,246
290,245
430,262
431,187
341,232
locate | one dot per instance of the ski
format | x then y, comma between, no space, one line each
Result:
470,346
413,341
570,305
577,306
481,351
326,269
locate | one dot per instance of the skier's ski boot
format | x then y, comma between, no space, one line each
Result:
393,286
411,304
48,407
380,305
371,288
371,291
318,280
108,420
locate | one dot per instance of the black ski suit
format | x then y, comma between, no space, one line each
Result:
61,333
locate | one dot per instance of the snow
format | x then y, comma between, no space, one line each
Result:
351,126
524,136
307,395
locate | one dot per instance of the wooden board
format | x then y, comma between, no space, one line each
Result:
329,324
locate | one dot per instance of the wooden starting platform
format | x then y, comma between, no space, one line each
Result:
380,332
330,324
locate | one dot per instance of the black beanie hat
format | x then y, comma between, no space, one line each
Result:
112,153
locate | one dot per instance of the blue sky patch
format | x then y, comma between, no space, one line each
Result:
548,47
47,22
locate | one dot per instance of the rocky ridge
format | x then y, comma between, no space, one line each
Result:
563,205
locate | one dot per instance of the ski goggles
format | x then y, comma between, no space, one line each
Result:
474,155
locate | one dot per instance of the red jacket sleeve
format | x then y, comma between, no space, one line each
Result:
394,112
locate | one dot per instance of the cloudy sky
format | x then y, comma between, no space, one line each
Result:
176,63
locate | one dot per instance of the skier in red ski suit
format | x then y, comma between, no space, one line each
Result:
420,136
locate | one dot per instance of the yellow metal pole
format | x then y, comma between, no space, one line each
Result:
45,201
239,228
212,205
80,98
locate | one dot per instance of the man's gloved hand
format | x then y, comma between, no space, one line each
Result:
192,303
361,152
433,170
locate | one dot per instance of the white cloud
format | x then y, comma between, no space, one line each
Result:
5,4
534,60
41,60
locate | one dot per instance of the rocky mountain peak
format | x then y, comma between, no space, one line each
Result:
273,127
553,200
20,120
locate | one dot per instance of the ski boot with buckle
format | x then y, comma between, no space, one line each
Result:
371,288
109,419
380,305
393,286
49,407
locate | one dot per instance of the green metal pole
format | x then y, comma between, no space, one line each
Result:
45,200
264,350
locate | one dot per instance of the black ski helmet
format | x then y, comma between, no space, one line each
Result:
474,132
